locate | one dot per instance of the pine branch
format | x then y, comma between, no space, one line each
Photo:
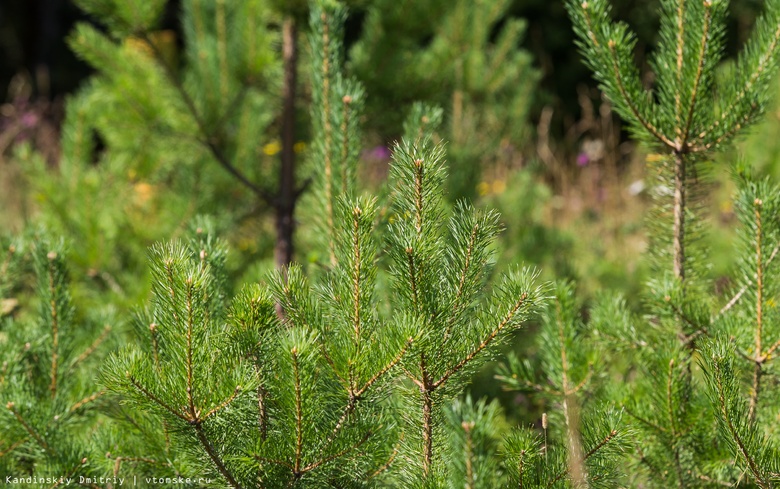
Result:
54,323
214,456
13,446
207,141
78,405
743,451
699,72
222,405
462,281
646,422
356,287
757,204
69,474
629,101
274,461
346,108
190,324
389,462
678,232
485,343
588,455
680,48
34,434
767,57
298,413
395,361
413,277
157,400
734,300
155,346
92,348
427,417
672,422
340,454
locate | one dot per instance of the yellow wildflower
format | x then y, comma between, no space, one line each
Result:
272,148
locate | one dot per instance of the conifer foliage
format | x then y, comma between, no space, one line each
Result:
351,373
333,388
47,386
696,378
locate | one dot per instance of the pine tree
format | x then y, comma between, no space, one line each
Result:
47,387
461,55
684,118
582,441
191,129
315,396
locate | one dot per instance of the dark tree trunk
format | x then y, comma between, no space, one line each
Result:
288,194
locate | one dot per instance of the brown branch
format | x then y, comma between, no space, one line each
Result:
414,379
583,382
348,409
70,473
298,413
759,315
590,453
753,404
427,432
214,456
765,59
11,407
334,456
263,412
751,463
745,288
118,461
13,447
680,49
645,421
346,105
672,424
418,194
670,398
461,283
274,461
385,369
54,325
194,413
355,289
158,401
288,194
699,71
771,350
482,345
92,348
223,404
390,460
678,235
412,276
155,346
207,141
86,400
634,110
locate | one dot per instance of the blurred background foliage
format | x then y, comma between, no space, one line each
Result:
97,145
